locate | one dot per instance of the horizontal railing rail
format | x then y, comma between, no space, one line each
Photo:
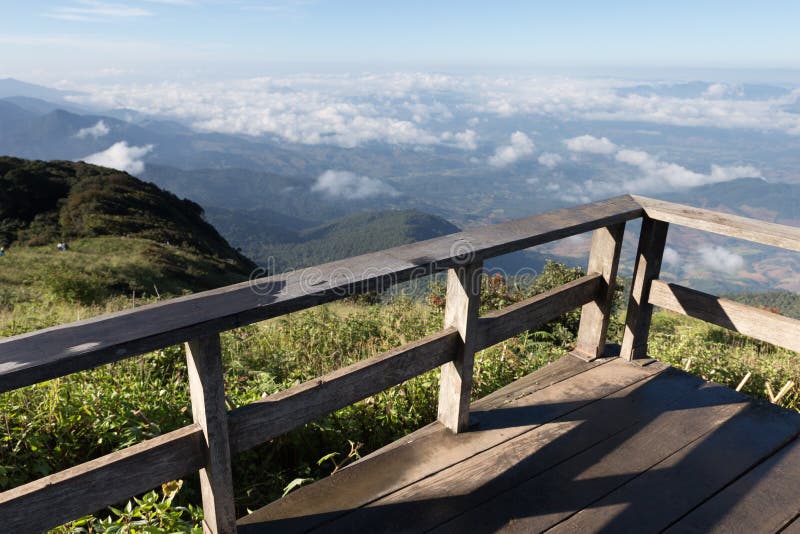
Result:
197,320
765,233
648,290
62,350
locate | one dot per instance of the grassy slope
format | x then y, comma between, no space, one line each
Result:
91,413
41,286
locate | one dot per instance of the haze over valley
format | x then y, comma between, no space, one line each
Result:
293,152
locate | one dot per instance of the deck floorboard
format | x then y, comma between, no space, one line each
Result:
576,446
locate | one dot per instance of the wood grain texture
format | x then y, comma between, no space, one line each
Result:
468,485
778,235
86,488
463,300
650,250
671,488
642,437
603,259
764,500
561,388
499,325
207,390
551,374
759,324
61,350
263,420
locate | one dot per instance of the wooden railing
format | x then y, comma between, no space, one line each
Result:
197,320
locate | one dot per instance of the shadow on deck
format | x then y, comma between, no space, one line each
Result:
576,446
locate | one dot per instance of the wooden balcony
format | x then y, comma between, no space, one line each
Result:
601,439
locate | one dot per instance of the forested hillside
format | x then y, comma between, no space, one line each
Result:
123,236
281,242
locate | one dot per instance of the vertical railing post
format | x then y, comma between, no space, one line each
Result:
207,388
461,311
595,316
648,266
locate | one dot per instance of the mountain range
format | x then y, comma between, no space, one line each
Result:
266,197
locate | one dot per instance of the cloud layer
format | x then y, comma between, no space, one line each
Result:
98,130
550,160
590,144
121,156
348,185
650,173
425,109
721,259
520,146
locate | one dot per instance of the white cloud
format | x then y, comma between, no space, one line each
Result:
98,130
466,140
721,259
721,90
345,184
590,144
520,146
550,160
671,257
657,175
121,156
94,10
651,175
404,108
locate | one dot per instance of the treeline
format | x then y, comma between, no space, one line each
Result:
782,302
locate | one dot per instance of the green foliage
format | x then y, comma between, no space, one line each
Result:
57,424
149,513
724,357
282,247
498,291
96,269
41,202
782,302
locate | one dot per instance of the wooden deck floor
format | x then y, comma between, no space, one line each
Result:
576,446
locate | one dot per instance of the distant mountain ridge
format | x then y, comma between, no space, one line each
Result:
283,243
751,197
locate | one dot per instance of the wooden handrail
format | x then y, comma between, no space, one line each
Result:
281,412
30,358
766,233
753,322
198,319
53,500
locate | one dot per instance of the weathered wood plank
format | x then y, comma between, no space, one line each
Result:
669,489
764,500
207,390
793,527
603,259
562,369
86,488
308,401
418,456
476,480
463,300
778,235
550,496
65,349
507,322
649,252
263,420
759,324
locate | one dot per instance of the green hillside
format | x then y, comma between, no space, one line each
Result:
270,240
125,236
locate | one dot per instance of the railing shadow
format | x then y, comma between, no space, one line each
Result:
549,484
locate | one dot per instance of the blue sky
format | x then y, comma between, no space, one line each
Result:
84,39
